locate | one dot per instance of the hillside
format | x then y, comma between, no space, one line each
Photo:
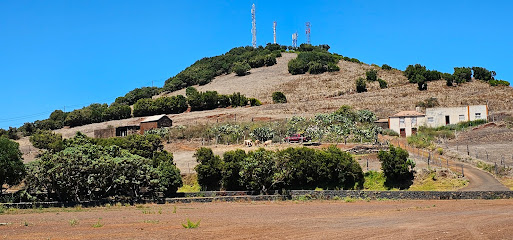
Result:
309,94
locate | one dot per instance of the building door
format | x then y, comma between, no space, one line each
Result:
413,131
402,132
447,122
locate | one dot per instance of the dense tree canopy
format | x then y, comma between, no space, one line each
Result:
12,169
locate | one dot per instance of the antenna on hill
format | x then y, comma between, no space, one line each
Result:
253,28
308,32
274,31
294,40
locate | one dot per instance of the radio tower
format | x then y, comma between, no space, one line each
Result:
274,31
294,40
253,23
308,32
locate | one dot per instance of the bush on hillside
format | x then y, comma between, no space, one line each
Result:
45,139
361,86
386,67
204,70
241,68
462,74
297,66
279,97
139,93
382,83
372,75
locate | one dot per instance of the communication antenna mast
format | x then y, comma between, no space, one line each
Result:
274,31
253,23
294,40
308,32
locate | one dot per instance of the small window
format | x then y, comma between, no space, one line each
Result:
401,120
431,120
414,121
478,115
461,117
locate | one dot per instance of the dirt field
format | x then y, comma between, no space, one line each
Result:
442,219
490,143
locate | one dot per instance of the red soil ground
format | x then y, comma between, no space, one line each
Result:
440,219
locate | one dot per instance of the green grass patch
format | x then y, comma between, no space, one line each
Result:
434,182
98,224
191,224
374,181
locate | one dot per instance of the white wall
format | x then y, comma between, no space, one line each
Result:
409,123
456,114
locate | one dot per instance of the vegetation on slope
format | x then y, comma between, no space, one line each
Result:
206,69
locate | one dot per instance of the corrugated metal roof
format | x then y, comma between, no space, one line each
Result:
153,118
408,114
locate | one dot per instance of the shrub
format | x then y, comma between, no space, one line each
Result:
315,68
45,139
297,66
361,86
494,83
12,169
242,68
206,69
262,133
382,83
231,168
270,60
396,167
449,78
254,102
462,74
279,97
333,67
386,67
372,75
390,132
428,103
481,73
209,169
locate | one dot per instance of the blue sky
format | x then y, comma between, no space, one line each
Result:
69,54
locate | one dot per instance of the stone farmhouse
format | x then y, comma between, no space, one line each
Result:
406,123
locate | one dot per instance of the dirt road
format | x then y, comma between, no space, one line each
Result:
480,180
441,219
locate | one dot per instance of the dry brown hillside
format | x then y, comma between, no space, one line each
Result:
308,94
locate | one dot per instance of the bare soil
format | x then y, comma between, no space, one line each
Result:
435,219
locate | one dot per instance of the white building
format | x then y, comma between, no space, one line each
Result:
437,117
406,123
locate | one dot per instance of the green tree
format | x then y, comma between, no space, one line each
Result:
361,86
279,97
386,67
231,168
297,66
209,169
145,107
12,170
45,139
372,75
449,79
398,170
382,83
242,68
462,74
257,170
481,73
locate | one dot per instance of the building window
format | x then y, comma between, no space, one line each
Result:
414,121
431,120
478,115
462,118
401,120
